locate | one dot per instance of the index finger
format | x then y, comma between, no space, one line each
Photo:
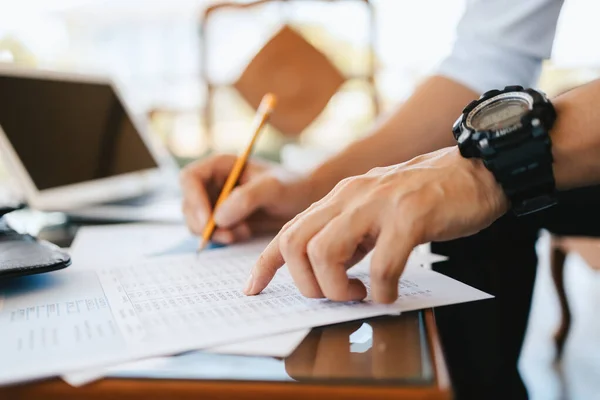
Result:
271,258
267,265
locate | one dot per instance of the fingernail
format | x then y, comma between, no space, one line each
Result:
249,284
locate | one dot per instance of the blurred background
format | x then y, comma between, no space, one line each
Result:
171,59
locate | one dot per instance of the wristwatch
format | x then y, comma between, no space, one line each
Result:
509,131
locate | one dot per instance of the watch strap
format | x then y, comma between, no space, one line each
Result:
526,175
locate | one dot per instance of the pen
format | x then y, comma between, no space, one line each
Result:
265,109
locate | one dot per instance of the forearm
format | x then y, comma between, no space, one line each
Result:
576,137
422,124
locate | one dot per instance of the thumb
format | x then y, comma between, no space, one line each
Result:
245,200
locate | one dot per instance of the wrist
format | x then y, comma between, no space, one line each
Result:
574,149
484,180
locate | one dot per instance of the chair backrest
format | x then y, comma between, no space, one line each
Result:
302,77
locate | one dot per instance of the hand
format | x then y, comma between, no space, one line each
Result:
434,197
266,198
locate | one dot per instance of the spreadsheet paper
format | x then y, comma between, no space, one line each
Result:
170,305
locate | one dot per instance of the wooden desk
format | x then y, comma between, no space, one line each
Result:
404,361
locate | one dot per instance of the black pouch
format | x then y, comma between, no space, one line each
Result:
23,254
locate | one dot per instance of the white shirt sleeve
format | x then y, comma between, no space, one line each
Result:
502,42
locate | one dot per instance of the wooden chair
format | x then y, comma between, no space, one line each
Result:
301,76
589,249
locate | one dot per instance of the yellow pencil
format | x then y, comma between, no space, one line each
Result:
265,109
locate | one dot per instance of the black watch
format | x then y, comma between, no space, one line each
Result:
509,130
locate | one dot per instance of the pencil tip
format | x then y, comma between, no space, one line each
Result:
202,246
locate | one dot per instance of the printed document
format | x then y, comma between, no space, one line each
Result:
100,245
169,305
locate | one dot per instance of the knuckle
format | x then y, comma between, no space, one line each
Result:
290,223
358,181
355,183
289,242
319,253
377,171
287,225
382,191
313,206
418,159
345,183
357,211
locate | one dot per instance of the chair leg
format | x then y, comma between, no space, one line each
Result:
557,265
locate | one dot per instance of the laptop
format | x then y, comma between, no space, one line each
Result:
70,144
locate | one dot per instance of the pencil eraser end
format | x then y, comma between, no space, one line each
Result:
268,101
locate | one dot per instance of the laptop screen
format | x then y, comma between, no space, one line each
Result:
68,132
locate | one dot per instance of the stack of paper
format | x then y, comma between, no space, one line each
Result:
96,315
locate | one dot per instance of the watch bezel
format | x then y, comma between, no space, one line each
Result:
473,142
499,97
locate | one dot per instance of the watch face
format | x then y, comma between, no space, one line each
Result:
499,113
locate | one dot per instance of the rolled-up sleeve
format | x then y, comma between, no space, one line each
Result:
502,42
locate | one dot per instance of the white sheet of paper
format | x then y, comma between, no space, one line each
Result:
280,346
169,305
100,245
55,321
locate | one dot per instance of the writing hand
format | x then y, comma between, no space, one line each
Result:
266,198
